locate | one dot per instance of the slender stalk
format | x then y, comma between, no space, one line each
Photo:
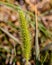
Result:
36,40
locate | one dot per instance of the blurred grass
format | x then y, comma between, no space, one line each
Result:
42,28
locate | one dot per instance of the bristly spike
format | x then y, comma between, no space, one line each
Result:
25,35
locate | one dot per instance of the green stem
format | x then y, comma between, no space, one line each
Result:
45,57
51,58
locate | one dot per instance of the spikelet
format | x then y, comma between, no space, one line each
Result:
25,35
